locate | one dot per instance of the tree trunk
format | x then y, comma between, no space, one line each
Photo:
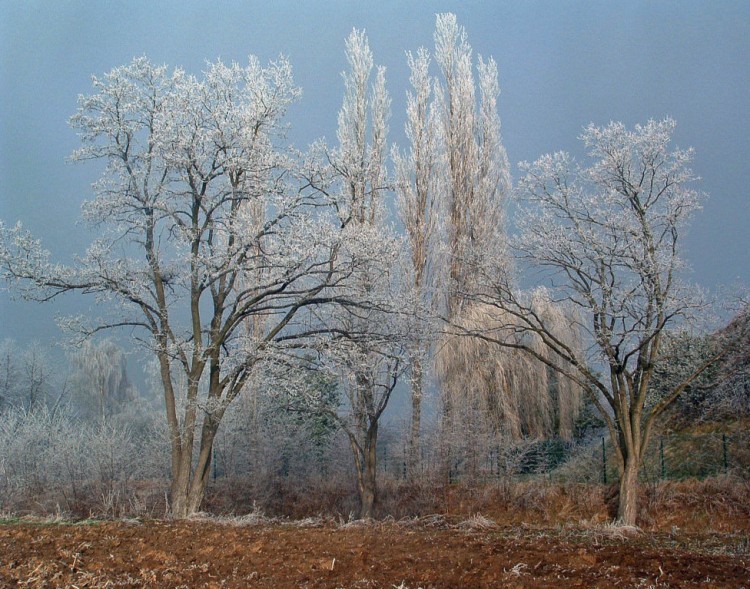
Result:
189,487
446,442
179,495
368,480
188,490
413,452
627,510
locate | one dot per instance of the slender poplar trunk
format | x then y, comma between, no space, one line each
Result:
413,451
447,438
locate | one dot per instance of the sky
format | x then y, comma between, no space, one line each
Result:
562,64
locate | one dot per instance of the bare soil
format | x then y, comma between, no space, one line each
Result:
427,552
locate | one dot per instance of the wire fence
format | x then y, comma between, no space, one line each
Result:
668,457
680,456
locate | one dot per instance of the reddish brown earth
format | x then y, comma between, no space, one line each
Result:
429,552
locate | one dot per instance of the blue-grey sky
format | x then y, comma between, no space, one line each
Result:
562,65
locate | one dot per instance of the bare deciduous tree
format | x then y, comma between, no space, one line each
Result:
36,379
9,373
189,163
365,350
366,353
609,236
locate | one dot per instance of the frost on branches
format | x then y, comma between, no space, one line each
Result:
370,325
209,248
608,235
489,395
417,185
477,173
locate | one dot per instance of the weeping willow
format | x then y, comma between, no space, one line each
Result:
517,395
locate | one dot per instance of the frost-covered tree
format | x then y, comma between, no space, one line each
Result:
365,353
720,393
514,392
359,160
29,378
202,229
365,350
9,373
417,182
101,379
35,386
609,236
475,164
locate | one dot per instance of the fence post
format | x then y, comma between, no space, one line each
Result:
661,457
604,463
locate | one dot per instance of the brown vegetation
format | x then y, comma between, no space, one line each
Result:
451,550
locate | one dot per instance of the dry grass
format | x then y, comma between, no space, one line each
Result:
719,503
477,522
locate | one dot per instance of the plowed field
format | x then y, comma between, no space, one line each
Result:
429,552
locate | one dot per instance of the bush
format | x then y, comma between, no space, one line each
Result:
52,462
